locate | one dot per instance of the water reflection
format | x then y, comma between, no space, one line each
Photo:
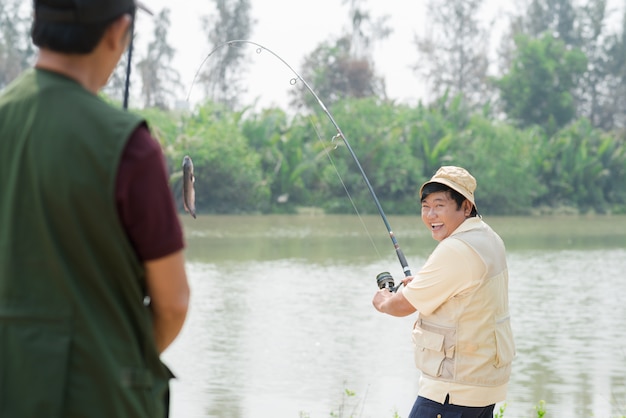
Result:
281,321
569,325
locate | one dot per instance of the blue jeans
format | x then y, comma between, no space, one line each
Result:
425,408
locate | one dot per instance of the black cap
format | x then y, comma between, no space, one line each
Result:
83,11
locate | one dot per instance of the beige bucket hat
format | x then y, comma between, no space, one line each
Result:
456,178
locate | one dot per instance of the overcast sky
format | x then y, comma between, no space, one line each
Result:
293,29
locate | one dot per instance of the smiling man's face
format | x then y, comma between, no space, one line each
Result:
441,215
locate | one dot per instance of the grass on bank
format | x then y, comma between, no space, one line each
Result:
348,408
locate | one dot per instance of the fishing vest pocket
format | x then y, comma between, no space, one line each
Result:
429,352
151,389
505,344
33,374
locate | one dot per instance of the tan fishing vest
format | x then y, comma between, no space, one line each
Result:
468,339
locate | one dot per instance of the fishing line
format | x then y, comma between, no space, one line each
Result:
343,184
293,81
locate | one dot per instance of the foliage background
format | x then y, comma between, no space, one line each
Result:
542,134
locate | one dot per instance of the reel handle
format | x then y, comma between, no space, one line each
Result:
385,281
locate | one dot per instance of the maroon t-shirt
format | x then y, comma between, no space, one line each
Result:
144,201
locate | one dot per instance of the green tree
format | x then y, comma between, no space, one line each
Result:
334,75
557,17
507,185
229,178
614,115
265,161
288,157
583,26
539,87
580,167
221,77
159,79
375,131
16,50
168,127
344,68
434,136
594,95
454,51
365,30
229,175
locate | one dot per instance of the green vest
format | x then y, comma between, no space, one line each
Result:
76,336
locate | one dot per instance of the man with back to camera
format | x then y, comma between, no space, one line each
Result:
92,277
462,336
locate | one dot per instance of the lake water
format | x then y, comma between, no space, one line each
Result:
281,322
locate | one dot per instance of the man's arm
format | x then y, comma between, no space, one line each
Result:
394,304
169,296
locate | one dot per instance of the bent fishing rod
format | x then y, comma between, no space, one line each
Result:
384,279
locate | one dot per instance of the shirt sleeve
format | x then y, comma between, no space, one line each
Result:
144,200
452,269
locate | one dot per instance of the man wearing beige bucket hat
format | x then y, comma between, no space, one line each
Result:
92,277
462,336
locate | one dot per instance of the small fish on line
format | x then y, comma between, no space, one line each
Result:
189,194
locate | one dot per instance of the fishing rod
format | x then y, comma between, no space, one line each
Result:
384,279
128,67
130,55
